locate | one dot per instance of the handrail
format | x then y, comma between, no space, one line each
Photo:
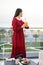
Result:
29,27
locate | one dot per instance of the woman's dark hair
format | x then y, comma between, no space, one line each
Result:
18,11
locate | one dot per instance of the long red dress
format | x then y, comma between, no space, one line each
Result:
18,41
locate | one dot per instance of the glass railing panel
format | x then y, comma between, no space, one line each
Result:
33,40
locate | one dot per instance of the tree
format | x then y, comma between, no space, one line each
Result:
2,31
35,36
36,44
2,36
10,32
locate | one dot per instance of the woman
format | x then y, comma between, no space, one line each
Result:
18,41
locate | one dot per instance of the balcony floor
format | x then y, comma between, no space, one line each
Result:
32,62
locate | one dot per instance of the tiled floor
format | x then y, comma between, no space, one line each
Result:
1,62
33,62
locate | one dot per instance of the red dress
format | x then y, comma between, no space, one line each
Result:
18,41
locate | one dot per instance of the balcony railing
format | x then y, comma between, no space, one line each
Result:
33,40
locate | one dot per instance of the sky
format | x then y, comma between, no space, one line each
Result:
32,11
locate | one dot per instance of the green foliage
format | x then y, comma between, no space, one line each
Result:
7,46
41,44
35,35
2,31
2,36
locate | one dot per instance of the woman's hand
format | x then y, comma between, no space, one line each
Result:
26,24
23,26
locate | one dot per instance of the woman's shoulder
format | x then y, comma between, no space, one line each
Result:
14,18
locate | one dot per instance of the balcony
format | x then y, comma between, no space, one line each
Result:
33,42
